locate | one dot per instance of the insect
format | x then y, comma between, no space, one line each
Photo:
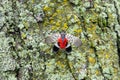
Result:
63,41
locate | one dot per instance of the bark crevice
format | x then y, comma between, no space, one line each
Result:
70,69
118,46
117,12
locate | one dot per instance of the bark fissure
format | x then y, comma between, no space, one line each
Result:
118,46
18,74
44,58
98,62
30,72
117,43
117,34
117,12
70,69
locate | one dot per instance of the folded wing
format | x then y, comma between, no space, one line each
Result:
74,40
52,38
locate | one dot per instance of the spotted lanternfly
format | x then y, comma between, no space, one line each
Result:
63,41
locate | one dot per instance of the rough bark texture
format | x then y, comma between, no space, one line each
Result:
24,24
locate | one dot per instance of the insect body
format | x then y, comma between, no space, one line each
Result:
63,41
